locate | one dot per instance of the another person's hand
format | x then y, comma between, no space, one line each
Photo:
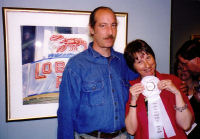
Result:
184,87
136,90
168,85
197,97
197,93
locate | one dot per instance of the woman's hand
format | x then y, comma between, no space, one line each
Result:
135,90
183,118
168,85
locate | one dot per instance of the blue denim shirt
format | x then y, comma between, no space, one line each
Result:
93,93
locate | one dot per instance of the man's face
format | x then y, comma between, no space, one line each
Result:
105,29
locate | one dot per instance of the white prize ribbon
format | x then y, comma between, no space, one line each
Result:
158,119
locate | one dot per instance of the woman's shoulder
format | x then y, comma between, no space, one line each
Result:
163,76
137,80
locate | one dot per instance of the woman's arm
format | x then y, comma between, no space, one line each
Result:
183,114
131,118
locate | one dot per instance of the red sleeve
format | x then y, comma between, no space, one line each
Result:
177,83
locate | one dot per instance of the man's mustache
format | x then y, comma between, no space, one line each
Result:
110,37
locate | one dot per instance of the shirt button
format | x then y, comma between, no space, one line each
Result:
110,76
94,87
115,103
116,117
113,90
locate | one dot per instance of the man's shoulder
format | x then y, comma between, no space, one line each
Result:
119,56
78,60
79,56
118,53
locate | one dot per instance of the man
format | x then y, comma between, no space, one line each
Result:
189,55
94,87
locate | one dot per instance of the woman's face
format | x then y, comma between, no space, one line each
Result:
144,64
183,72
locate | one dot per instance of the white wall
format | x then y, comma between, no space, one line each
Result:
147,19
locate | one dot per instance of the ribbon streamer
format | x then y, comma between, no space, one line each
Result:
158,119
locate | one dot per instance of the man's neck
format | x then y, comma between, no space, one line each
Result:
106,52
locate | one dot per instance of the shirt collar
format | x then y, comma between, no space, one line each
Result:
96,54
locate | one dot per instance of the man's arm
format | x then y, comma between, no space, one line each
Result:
68,100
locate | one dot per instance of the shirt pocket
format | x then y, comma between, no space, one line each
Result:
94,91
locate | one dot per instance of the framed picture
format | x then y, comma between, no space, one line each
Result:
195,36
38,44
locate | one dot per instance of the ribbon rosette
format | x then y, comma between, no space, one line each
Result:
158,119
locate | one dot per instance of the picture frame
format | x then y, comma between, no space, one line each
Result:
195,36
38,44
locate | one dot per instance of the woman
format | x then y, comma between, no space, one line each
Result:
185,75
172,104
191,82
